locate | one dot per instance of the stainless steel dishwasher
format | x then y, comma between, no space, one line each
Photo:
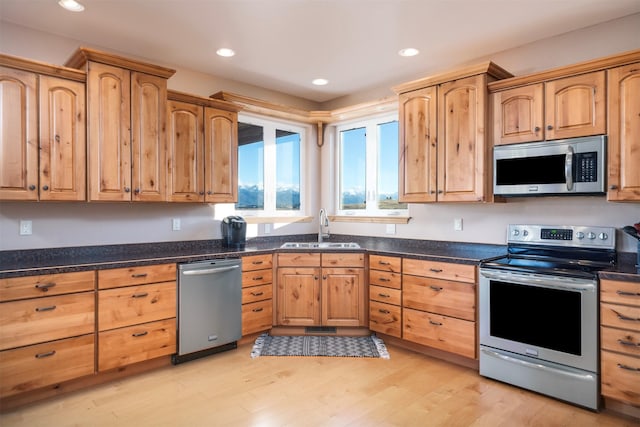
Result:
209,308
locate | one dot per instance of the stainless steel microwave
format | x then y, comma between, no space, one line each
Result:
560,167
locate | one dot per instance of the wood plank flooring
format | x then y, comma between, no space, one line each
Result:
231,389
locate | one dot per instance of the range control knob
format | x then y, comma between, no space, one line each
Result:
591,235
525,233
603,236
580,235
516,232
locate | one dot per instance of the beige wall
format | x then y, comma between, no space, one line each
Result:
76,224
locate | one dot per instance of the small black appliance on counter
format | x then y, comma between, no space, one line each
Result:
234,232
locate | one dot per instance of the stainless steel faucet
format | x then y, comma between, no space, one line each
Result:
323,226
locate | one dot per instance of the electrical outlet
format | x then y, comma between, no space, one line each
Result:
26,228
457,224
176,224
391,229
267,228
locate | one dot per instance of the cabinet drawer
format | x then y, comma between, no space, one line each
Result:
385,278
385,263
620,292
119,277
620,316
257,317
38,320
134,344
620,341
441,332
440,296
385,318
440,270
299,259
136,304
36,366
343,260
46,285
257,293
256,277
621,377
257,262
386,295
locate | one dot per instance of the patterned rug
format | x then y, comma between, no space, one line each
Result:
371,346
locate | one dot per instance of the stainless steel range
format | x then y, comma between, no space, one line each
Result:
539,310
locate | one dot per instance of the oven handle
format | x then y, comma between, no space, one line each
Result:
538,366
541,281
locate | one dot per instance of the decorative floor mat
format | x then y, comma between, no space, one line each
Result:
370,346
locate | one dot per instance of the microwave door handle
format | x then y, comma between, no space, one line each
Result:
568,168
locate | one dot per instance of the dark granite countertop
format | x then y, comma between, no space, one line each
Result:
60,260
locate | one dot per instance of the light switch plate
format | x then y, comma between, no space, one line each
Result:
26,227
176,224
457,224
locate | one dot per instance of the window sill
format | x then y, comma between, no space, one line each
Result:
276,219
373,219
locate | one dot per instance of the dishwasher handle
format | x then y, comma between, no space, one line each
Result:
209,271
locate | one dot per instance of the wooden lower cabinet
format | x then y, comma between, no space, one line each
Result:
257,293
385,295
441,332
299,296
385,318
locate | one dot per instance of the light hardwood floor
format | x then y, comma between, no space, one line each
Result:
231,389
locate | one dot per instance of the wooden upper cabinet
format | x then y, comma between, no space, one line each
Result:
62,139
185,152
221,155
624,133
576,106
519,114
462,149
417,142
109,118
148,137
19,133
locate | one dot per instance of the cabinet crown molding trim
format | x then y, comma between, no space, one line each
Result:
84,54
42,68
569,70
173,95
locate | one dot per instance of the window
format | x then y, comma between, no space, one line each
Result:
368,168
270,155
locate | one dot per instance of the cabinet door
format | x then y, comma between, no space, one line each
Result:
62,139
186,152
298,297
462,151
417,137
518,114
148,137
343,297
575,106
624,133
19,135
109,119
221,156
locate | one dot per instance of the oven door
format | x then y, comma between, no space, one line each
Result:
541,316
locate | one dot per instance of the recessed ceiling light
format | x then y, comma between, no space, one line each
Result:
320,82
409,51
226,52
71,5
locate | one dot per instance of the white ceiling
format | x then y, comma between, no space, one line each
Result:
283,44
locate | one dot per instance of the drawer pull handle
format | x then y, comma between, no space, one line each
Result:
44,287
628,368
49,308
139,275
436,288
258,278
435,323
383,311
257,310
139,334
384,263
623,317
384,279
384,295
257,262
257,294
628,294
140,295
436,270
630,343
47,354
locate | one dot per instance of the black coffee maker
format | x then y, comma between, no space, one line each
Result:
234,232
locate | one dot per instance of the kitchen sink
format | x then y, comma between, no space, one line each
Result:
320,245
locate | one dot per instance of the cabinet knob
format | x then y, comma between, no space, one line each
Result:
613,187
127,189
209,192
136,191
45,187
549,127
201,193
440,191
537,129
32,187
315,277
